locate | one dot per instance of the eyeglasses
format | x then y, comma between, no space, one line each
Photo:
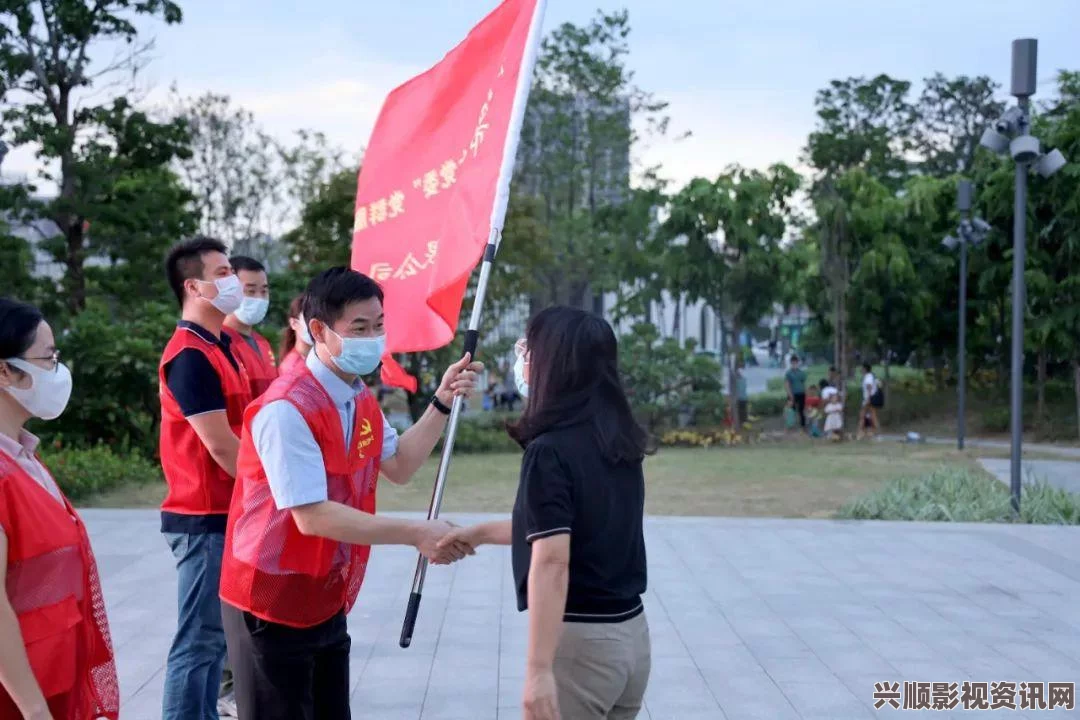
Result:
54,359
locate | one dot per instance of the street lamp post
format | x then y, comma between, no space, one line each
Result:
1010,134
970,232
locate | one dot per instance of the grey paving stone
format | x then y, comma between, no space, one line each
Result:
750,618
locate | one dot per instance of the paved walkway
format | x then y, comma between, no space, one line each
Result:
1064,474
750,618
1065,451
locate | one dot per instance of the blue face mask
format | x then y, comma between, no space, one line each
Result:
359,356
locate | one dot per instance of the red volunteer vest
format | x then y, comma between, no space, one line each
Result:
52,583
197,484
269,568
290,362
260,365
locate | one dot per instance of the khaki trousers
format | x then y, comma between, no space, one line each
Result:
601,669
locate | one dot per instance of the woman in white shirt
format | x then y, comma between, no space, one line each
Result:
868,419
56,659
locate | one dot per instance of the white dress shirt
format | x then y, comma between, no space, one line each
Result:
290,456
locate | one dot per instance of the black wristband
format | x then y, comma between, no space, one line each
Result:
438,405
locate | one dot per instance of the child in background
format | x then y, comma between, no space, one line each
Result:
814,411
834,414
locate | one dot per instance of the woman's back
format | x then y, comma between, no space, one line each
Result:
566,484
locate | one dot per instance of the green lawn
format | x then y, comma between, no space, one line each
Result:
789,479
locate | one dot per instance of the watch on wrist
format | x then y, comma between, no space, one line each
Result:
439,405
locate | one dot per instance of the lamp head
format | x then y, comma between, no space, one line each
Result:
1050,163
994,141
1024,148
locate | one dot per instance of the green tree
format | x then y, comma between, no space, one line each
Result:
952,115
575,158
48,52
864,123
724,245
248,186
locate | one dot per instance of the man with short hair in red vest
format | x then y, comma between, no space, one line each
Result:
303,520
252,349
204,391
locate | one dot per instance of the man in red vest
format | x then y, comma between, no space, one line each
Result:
251,348
204,391
303,521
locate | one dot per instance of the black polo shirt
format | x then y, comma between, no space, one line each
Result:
195,384
566,486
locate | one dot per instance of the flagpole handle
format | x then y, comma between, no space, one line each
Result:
410,618
413,608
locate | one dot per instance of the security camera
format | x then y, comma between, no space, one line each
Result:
1010,121
994,141
1050,163
1024,149
950,242
981,226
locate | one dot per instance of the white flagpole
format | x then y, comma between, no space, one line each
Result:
472,334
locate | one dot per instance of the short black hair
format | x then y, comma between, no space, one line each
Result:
332,290
184,262
19,323
243,262
794,358
867,366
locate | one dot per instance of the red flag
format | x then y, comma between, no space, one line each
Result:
428,184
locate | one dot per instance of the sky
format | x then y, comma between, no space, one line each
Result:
740,75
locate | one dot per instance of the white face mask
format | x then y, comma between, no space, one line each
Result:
305,334
359,356
230,294
520,380
252,310
49,392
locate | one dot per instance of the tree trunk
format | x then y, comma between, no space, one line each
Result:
72,227
1040,389
1076,388
939,372
733,383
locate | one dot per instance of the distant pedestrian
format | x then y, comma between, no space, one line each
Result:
296,340
795,384
873,398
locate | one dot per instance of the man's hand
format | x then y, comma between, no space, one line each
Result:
459,379
427,542
460,539
541,700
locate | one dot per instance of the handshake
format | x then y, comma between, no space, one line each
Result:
443,542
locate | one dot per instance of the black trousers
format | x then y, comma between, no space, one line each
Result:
283,673
800,407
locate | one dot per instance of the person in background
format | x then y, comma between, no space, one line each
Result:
795,384
303,520
834,413
814,410
868,417
56,656
204,391
576,536
835,379
296,340
742,398
252,349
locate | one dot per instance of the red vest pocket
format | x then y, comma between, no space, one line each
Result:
51,638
